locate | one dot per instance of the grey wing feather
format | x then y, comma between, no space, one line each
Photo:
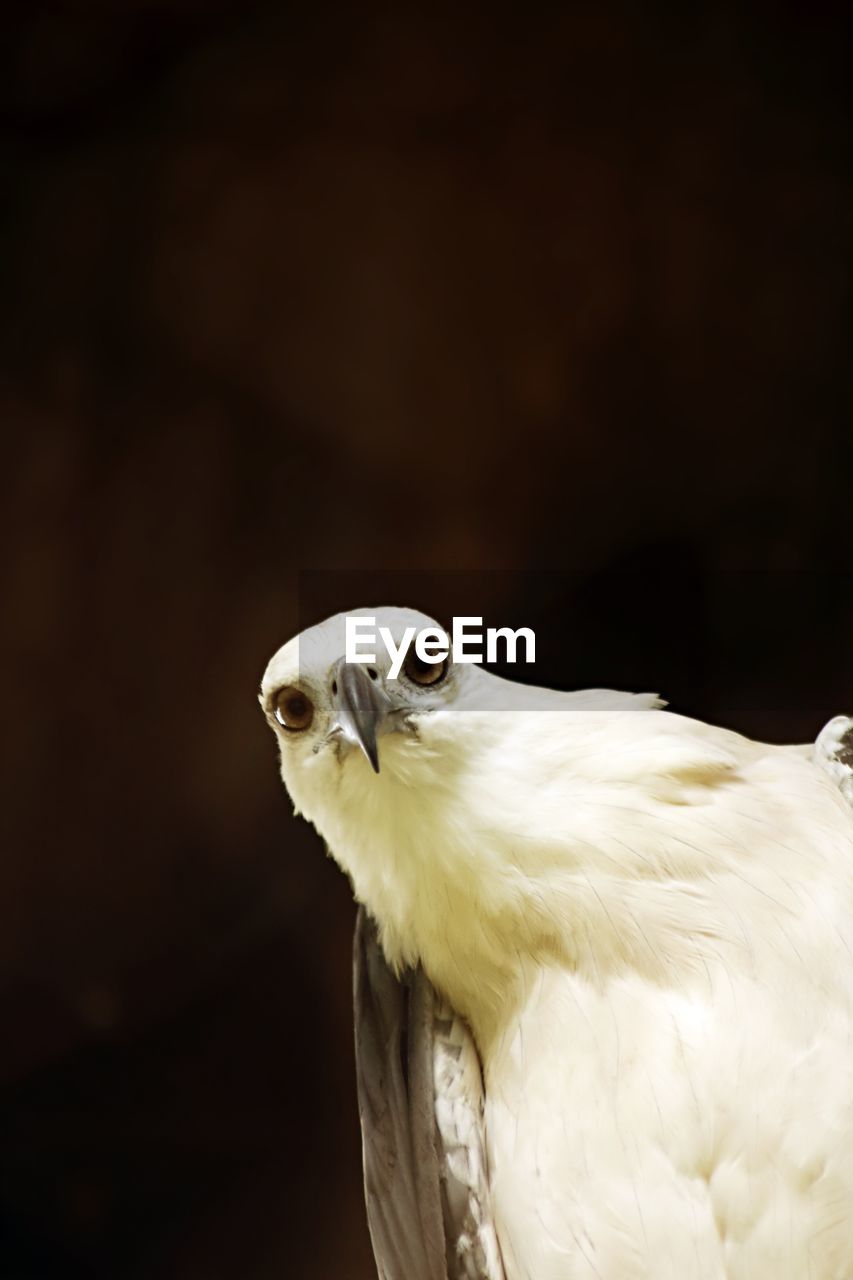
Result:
833,751
420,1094
393,1055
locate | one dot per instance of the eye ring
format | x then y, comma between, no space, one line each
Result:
293,709
425,674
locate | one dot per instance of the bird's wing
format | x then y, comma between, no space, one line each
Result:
833,751
420,1098
472,1248
395,1102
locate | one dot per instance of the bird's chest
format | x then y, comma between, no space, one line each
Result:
636,1131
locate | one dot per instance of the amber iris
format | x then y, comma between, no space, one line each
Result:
293,709
420,672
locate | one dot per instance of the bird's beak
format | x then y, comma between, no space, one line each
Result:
362,706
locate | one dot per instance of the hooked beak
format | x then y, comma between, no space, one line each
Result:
362,707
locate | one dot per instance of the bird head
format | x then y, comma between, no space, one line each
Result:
340,723
418,723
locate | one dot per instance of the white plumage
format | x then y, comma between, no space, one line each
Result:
459,1107
647,923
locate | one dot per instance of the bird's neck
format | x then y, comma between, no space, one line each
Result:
483,920
580,855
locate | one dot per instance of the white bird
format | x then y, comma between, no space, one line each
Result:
646,922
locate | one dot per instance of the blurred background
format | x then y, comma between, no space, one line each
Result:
540,313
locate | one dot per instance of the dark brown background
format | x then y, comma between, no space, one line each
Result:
557,299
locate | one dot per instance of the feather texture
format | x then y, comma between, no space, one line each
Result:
834,753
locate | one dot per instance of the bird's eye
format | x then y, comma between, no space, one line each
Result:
425,673
293,710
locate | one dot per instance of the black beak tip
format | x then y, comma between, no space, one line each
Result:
373,757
